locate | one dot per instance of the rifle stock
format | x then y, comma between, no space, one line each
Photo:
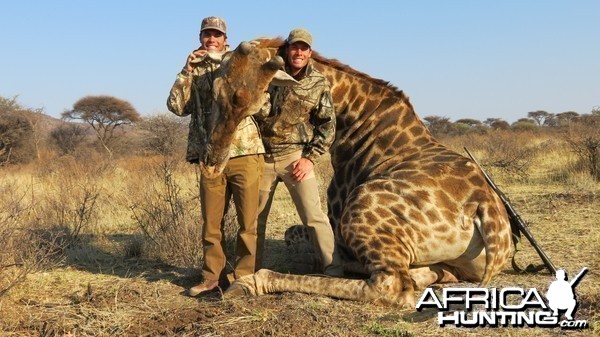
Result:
515,220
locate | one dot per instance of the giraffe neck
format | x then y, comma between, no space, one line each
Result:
374,120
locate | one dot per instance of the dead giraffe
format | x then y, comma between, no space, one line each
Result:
410,210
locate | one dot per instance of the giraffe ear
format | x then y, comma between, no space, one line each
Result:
282,79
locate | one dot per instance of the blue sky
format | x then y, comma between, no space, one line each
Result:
456,59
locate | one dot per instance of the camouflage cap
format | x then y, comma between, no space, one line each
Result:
213,22
300,35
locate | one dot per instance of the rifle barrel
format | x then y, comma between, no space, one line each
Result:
514,217
578,276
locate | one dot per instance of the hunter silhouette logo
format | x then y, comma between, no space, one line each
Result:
561,294
512,306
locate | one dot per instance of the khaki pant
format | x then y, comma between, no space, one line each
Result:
305,196
240,179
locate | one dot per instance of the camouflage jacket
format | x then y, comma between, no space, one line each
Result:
301,117
191,94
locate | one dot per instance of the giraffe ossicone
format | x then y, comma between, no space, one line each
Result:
409,210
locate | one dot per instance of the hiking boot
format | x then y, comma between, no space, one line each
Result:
204,287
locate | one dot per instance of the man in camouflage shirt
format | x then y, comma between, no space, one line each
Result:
299,128
192,95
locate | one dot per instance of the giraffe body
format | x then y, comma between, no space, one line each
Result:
409,210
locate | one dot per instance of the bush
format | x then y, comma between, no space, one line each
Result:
584,139
164,134
504,151
17,144
168,218
68,137
24,246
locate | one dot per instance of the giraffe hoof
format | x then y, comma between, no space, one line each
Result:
238,289
407,301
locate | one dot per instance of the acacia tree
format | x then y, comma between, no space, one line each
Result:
105,114
439,125
497,123
523,124
541,117
469,121
565,118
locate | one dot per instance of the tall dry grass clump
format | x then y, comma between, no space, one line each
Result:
164,203
164,199
71,208
558,157
583,138
14,265
27,242
505,154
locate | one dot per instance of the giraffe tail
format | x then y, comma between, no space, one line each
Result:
494,227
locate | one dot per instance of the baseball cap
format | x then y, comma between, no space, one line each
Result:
213,22
300,35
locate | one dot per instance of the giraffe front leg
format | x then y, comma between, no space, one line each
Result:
262,282
384,287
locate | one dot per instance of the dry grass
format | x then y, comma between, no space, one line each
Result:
113,281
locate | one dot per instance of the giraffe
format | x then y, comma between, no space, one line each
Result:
409,210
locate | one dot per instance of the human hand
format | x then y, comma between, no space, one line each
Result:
301,168
196,54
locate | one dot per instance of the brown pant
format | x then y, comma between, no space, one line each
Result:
240,179
305,196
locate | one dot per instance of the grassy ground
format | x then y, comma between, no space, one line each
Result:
99,291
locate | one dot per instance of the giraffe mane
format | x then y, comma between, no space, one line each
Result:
279,42
336,64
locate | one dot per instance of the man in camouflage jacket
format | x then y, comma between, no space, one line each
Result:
192,95
299,128
301,118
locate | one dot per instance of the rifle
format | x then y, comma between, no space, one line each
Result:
517,226
578,277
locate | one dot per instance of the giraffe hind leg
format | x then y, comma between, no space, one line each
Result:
395,288
303,258
437,273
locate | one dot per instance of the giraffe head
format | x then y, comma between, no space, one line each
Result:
239,90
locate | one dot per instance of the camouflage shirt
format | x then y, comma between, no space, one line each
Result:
191,94
301,117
